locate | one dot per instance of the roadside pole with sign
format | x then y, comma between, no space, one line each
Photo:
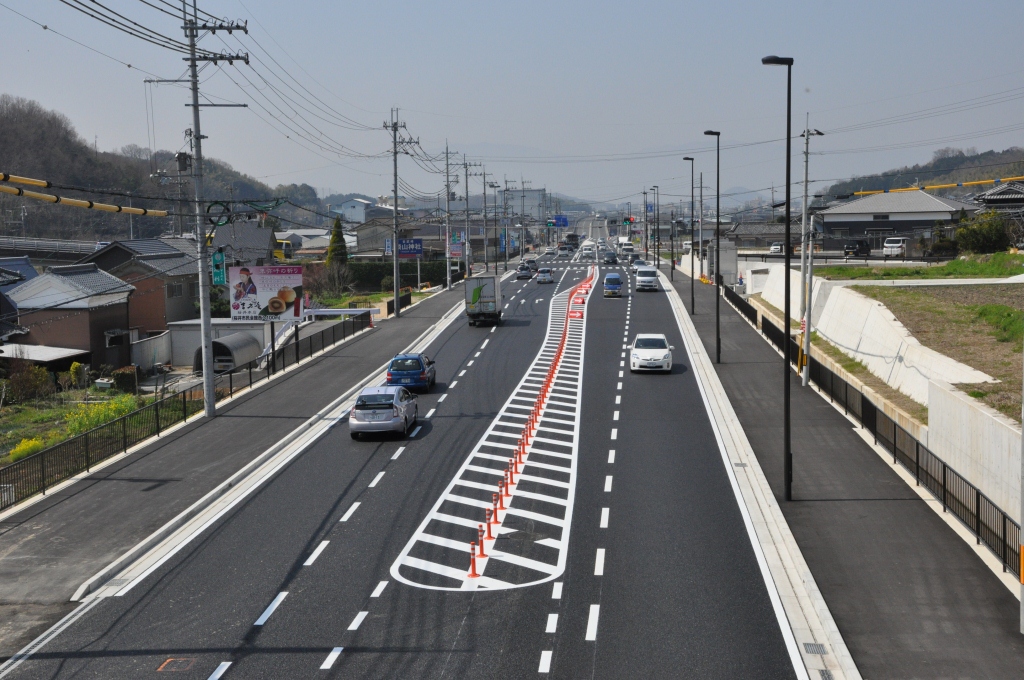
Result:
220,274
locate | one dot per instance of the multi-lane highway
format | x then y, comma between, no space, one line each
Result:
620,551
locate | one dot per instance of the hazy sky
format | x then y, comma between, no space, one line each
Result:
559,93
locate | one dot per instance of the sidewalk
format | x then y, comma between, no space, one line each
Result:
50,548
910,598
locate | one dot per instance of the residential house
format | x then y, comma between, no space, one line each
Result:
78,306
904,213
8,310
19,265
165,274
1006,197
245,243
353,210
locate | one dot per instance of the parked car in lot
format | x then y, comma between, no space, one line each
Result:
544,276
524,272
650,352
609,258
776,248
612,285
647,279
383,409
858,248
895,246
414,371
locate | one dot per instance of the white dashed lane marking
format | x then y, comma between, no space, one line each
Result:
316,553
356,622
595,612
348,513
608,483
270,610
331,658
556,591
604,518
379,589
611,455
552,623
380,475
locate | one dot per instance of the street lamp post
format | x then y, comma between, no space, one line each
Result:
692,277
786,433
718,251
647,232
657,227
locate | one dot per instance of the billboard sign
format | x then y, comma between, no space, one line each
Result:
387,246
410,247
456,250
265,293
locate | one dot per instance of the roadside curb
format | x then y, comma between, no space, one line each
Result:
811,626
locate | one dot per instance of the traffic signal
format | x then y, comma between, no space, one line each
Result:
626,220
551,223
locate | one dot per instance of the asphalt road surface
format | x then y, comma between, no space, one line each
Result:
622,552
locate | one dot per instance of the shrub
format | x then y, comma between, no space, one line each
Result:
985,233
125,379
944,247
28,381
387,283
26,447
88,416
78,374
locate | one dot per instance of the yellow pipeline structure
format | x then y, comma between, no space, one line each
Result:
63,200
940,186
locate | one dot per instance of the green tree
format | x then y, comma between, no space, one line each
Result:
985,233
337,251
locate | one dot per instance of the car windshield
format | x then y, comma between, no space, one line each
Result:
650,343
405,365
370,401
647,273
612,281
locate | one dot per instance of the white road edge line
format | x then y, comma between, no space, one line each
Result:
331,658
316,553
348,513
358,621
376,479
595,612
270,609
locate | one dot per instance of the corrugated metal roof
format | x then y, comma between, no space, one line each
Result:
901,202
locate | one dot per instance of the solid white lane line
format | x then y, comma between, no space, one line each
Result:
220,670
376,479
608,483
611,455
462,373
316,554
331,658
619,386
476,355
556,591
270,610
615,415
595,611
416,431
469,363
398,453
485,342
618,398
379,589
552,623
348,513
604,518
356,622
599,563
545,662
615,433
429,413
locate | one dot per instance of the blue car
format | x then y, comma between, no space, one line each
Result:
415,371
612,285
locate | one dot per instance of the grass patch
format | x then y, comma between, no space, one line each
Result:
978,325
995,266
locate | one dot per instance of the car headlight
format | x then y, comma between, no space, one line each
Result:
666,357
636,356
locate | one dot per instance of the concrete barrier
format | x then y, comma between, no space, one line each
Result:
978,442
867,331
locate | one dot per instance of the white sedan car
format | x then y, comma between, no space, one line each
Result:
650,352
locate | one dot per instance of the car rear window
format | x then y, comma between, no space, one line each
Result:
371,401
543,271
650,343
405,365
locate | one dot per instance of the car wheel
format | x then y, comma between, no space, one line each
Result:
355,435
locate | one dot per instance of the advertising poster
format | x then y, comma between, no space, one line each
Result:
265,293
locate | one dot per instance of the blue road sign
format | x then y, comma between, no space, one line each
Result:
561,221
410,247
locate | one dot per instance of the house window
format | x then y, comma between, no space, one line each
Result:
193,289
879,217
175,290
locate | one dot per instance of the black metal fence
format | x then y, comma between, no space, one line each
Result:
744,307
38,472
990,524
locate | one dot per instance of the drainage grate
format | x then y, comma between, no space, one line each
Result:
117,582
740,464
815,648
826,674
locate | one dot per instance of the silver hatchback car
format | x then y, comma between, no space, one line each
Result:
383,409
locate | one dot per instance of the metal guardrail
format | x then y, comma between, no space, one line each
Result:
51,245
990,524
42,470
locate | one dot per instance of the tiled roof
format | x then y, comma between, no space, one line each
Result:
90,279
8,277
22,265
900,202
245,241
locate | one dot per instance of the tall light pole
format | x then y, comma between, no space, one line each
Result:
657,227
646,230
787,451
692,282
718,252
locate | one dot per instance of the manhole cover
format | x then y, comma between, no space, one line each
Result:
815,648
176,665
825,674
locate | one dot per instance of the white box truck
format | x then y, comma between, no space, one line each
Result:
483,299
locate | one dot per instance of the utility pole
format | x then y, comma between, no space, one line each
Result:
394,125
192,29
483,171
646,231
465,248
808,244
447,215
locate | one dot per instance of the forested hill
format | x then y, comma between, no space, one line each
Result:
947,166
42,144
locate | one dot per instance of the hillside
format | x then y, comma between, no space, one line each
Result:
947,166
35,142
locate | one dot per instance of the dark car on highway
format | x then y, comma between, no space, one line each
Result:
609,258
857,248
414,371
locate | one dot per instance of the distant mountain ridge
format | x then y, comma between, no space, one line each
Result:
947,166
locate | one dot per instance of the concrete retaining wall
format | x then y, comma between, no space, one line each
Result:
867,331
155,349
978,442
774,292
